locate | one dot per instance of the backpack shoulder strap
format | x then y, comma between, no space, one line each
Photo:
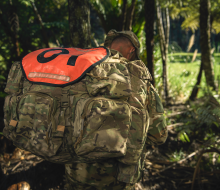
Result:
14,81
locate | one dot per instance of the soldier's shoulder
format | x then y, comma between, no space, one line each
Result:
139,67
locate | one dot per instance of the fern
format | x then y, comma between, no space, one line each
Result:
216,26
202,121
191,22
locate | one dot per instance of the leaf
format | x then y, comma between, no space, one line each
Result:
184,137
119,2
114,3
191,22
2,77
216,123
26,2
98,7
216,26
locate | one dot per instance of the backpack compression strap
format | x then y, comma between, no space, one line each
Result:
61,66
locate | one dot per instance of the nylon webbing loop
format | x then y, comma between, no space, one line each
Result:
64,118
64,104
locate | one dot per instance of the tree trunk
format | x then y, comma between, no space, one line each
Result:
149,27
205,42
164,42
216,42
44,34
79,22
14,25
102,19
10,25
195,90
128,14
124,14
167,34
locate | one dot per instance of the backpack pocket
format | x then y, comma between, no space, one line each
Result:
10,116
137,136
14,82
36,130
154,103
106,126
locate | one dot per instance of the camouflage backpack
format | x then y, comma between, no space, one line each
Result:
94,108
48,106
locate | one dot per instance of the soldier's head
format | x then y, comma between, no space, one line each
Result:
126,42
124,46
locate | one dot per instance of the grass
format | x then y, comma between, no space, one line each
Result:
182,74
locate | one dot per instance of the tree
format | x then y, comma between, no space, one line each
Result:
79,22
14,24
164,42
196,88
128,18
149,28
200,14
127,13
206,59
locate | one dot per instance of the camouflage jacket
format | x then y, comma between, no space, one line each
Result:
147,124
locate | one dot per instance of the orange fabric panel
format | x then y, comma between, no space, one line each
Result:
61,66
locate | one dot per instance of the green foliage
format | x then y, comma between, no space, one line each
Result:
189,10
3,94
110,11
183,136
202,122
177,155
185,73
99,7
174,48
55,18
26,2
182,74
191,21
158,68
2,77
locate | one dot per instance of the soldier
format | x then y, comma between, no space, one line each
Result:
147,127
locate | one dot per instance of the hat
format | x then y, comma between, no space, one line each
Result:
112,34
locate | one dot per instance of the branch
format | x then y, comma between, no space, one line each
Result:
189,156
179,162
41,23
101,18
174,125
94,40
160,29
124,11
167,28
198,163
130,17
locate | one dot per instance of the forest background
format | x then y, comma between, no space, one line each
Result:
180,46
